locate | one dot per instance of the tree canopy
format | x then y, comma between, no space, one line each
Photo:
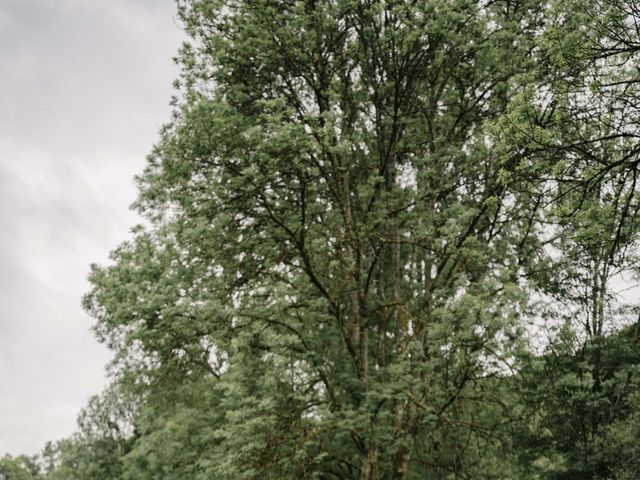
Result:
383,240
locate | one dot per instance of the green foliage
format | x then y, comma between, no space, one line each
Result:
354,217
328,243
96,451
581,427
19,468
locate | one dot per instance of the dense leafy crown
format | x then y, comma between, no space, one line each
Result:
361,218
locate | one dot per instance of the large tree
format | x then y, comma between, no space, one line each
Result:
334,237
347,216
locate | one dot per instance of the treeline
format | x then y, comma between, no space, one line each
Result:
547,422
383,240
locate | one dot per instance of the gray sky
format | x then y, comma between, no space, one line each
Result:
84,89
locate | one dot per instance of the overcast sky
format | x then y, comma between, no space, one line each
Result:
84,89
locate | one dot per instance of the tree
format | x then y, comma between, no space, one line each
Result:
361,220
334,240
96,451
580,117
19,468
